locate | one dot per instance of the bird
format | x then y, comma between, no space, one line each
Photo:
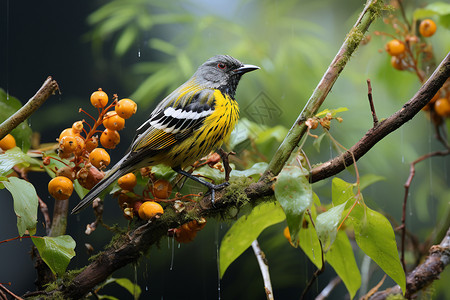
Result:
193,120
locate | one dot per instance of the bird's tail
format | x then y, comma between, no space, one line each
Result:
110,177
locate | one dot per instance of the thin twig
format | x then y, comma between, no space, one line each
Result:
9,292
402,10
264,267
372,107
49,87
424,274
395,121
226,162
412,172
329,288
318,271
44,210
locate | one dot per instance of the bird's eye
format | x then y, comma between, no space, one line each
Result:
221,66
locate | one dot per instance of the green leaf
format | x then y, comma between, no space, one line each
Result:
56,252
309,242
241,235
341,191
327,224
22,133
332,111
25,204
341,258
318,141
294,192
436,8
278,133
13,157
126,39
375,236
132,288
369,179
255,171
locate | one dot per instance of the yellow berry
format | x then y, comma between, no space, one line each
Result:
442,107
80,145
161,189
66,132
99,158
397,63
125,108
427,28
99,99
127,181
109,138
395,47
150,209
287,234
60,188
91,144
68,144
8,142
77,126
112,121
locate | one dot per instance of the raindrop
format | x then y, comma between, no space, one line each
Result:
139,53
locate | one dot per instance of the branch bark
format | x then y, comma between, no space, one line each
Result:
425,273
49,87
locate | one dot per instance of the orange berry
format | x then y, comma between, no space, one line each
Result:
150,209
127,181
91,144
112,121
99,98
161,189
80,145
397,63
109,138
442,107
8,142
125,108
99,158
66,132
287,234
427,28
395,47
77,126
60,188
436,96
68,144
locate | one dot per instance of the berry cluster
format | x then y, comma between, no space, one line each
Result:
145,207
80,147
407,49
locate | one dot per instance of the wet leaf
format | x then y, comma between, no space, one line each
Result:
341,191
132,288
318,141
369,179
245,230
25,204
13,157
327,224
375,236
56,252
294,192
341,258
255,171
309,242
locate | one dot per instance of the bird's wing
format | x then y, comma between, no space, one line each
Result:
178,115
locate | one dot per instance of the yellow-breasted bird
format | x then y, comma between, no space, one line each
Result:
188,124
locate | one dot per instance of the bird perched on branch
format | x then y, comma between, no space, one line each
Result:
188,124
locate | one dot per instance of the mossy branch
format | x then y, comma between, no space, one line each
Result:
49,87
354,37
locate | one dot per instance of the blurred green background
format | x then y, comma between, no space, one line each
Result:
143,49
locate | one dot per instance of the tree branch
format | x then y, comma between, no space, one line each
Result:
49,87
425,273
395,121
298,129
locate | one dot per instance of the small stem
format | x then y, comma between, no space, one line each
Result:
264,266
44,210
372,107
2,287
329,288
226,162
318,271
49,87
59,223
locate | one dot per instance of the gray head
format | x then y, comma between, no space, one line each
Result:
222,72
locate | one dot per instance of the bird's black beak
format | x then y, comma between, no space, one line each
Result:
246,68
